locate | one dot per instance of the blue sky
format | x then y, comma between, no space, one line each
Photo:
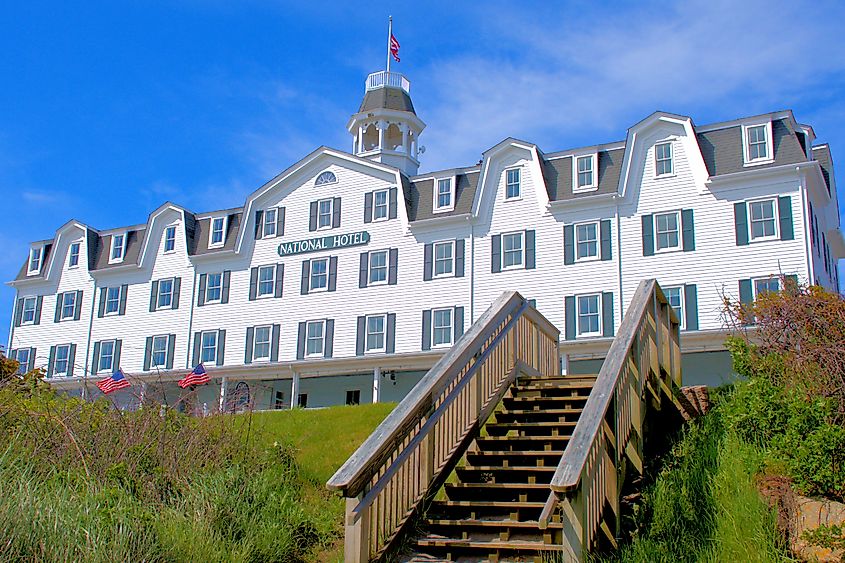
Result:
109,109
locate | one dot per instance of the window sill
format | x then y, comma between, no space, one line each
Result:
584,189
516,198
663,176
440,346
380,219
751,163
589,335
668,250
374,352
442,276
588,259
513,268
216,245
764,239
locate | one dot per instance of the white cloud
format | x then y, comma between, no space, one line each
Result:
42,197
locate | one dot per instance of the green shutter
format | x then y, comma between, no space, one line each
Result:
648,235
606,247
746,293
691,306
785,215
607,313
569,312
688,228
496,253
569,244
741,223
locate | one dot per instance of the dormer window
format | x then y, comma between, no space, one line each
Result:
169,239
757,143
663,159
268,229
584,172
73,255
35,256
326,177
513,188
118,248
218,232
444,195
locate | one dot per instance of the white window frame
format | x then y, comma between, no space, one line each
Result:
35,255
65,295
326,177
518,196
383,333
755,294
213,221
436,207
212,334
117,252
434,246
255,343
266,224
159,338
17,357
322,338
71,254
272,281
109,369
576,188
597,256
680,244
746,147
683,303
159,306
578,299
776,219
434,327
26,301
116,311
59,348
386,205
311,275
208,286
521,264
370,267
169,239
671,159
320,213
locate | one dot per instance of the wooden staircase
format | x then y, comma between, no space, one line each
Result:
494,498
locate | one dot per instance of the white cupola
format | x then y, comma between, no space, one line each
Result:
386,127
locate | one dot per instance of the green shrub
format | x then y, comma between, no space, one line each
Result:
816,461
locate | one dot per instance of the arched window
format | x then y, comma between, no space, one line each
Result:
325,178
241,398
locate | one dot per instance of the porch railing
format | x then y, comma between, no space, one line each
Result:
383,78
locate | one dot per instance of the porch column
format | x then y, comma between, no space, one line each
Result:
294,390
382,129
376,384
405,144
224,383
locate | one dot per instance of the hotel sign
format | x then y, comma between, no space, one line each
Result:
324,243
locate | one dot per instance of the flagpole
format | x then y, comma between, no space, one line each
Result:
389,35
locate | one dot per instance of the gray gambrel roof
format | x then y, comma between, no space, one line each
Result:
722,148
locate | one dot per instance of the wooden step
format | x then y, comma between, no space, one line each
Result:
538,415
517,443
491,545
552,428
501,492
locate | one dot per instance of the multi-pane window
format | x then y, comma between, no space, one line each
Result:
266,280
353,397
22,357
443,196
667,230
765,285
441,327
269,227
763,218
512,250
261,343
68,305
169,239
218,227
586,240
28,313
314,338
165,294
378,267
62,361
118,242
663,159
324,213
675,296
319,274
112,300
34,260
444,253
375,333
758,148
208,346
380,205
512,184
585,171
73,255
106,356
158,354
589,315
214,288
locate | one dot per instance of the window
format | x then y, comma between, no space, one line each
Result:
106,356
314,338
261,343
375,333
34,260
214,288
324,213
444,254
763,219
584,172
675,295
586,241
62,362
118,246
279,403
158,355
441,327
22,357
112,300
165,294
319,275
378,267
218,226
302,400
589,315
269,227
68,305
443,196
663,159
765,285
169,239
28,314
380,205
512,250
208,347
512,188
266,280
757,142
667,230
73,255
325,178
353,397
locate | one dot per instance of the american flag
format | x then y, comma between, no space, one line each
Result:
394,47
114,382
197,377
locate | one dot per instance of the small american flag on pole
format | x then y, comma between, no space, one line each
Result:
114,382
394,47
197,377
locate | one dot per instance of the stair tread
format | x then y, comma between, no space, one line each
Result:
549,423
524,545
491,503
509,467
491,523
540,411
516,438
516,453
497,486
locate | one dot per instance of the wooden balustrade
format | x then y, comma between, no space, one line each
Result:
643,363
411,453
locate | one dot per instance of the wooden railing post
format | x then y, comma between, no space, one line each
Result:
356,547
